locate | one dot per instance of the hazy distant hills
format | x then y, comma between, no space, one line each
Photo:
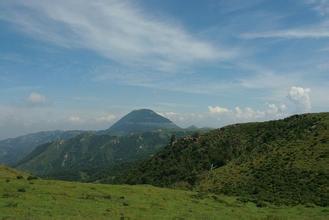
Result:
140,121
14,149
81,156
136,136
282,162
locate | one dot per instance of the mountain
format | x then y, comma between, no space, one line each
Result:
102,155
139,121
14,149
87,156
281,162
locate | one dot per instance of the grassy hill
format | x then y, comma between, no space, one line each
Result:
281,162
22,197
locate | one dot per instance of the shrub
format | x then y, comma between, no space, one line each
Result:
32,177
21,190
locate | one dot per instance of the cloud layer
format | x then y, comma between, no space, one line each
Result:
115,29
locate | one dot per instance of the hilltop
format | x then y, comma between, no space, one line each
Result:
140,121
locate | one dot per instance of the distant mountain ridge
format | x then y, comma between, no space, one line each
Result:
80,157
136,136
14,149
139,121
136,122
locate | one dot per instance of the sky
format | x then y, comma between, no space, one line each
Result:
80,64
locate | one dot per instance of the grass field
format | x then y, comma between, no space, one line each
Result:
43,199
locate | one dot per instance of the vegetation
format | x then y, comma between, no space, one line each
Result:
91,156
14,149
284,162
48,199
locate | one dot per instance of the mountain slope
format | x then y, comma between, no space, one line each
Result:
14,149
88,155
139,121
100,155
284,161
23,198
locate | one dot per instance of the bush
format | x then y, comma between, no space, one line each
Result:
21,190
19,177
32,178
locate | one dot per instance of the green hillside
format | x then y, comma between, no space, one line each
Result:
14,149
281,162
23,197
90,156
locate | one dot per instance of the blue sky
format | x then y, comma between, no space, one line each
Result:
79,64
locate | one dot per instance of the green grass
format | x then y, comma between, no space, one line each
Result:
44,199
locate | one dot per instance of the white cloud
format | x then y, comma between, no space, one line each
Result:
217,110
298,95
248,114
36,98
239,114
276,110
167,114
106,118
321,6
118,30
301,98
75,119
313,33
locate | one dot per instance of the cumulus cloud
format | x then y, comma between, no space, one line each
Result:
217,110
239,114
36,98
106,118
75,119
301,98
276,110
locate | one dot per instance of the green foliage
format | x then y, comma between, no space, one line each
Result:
281,162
